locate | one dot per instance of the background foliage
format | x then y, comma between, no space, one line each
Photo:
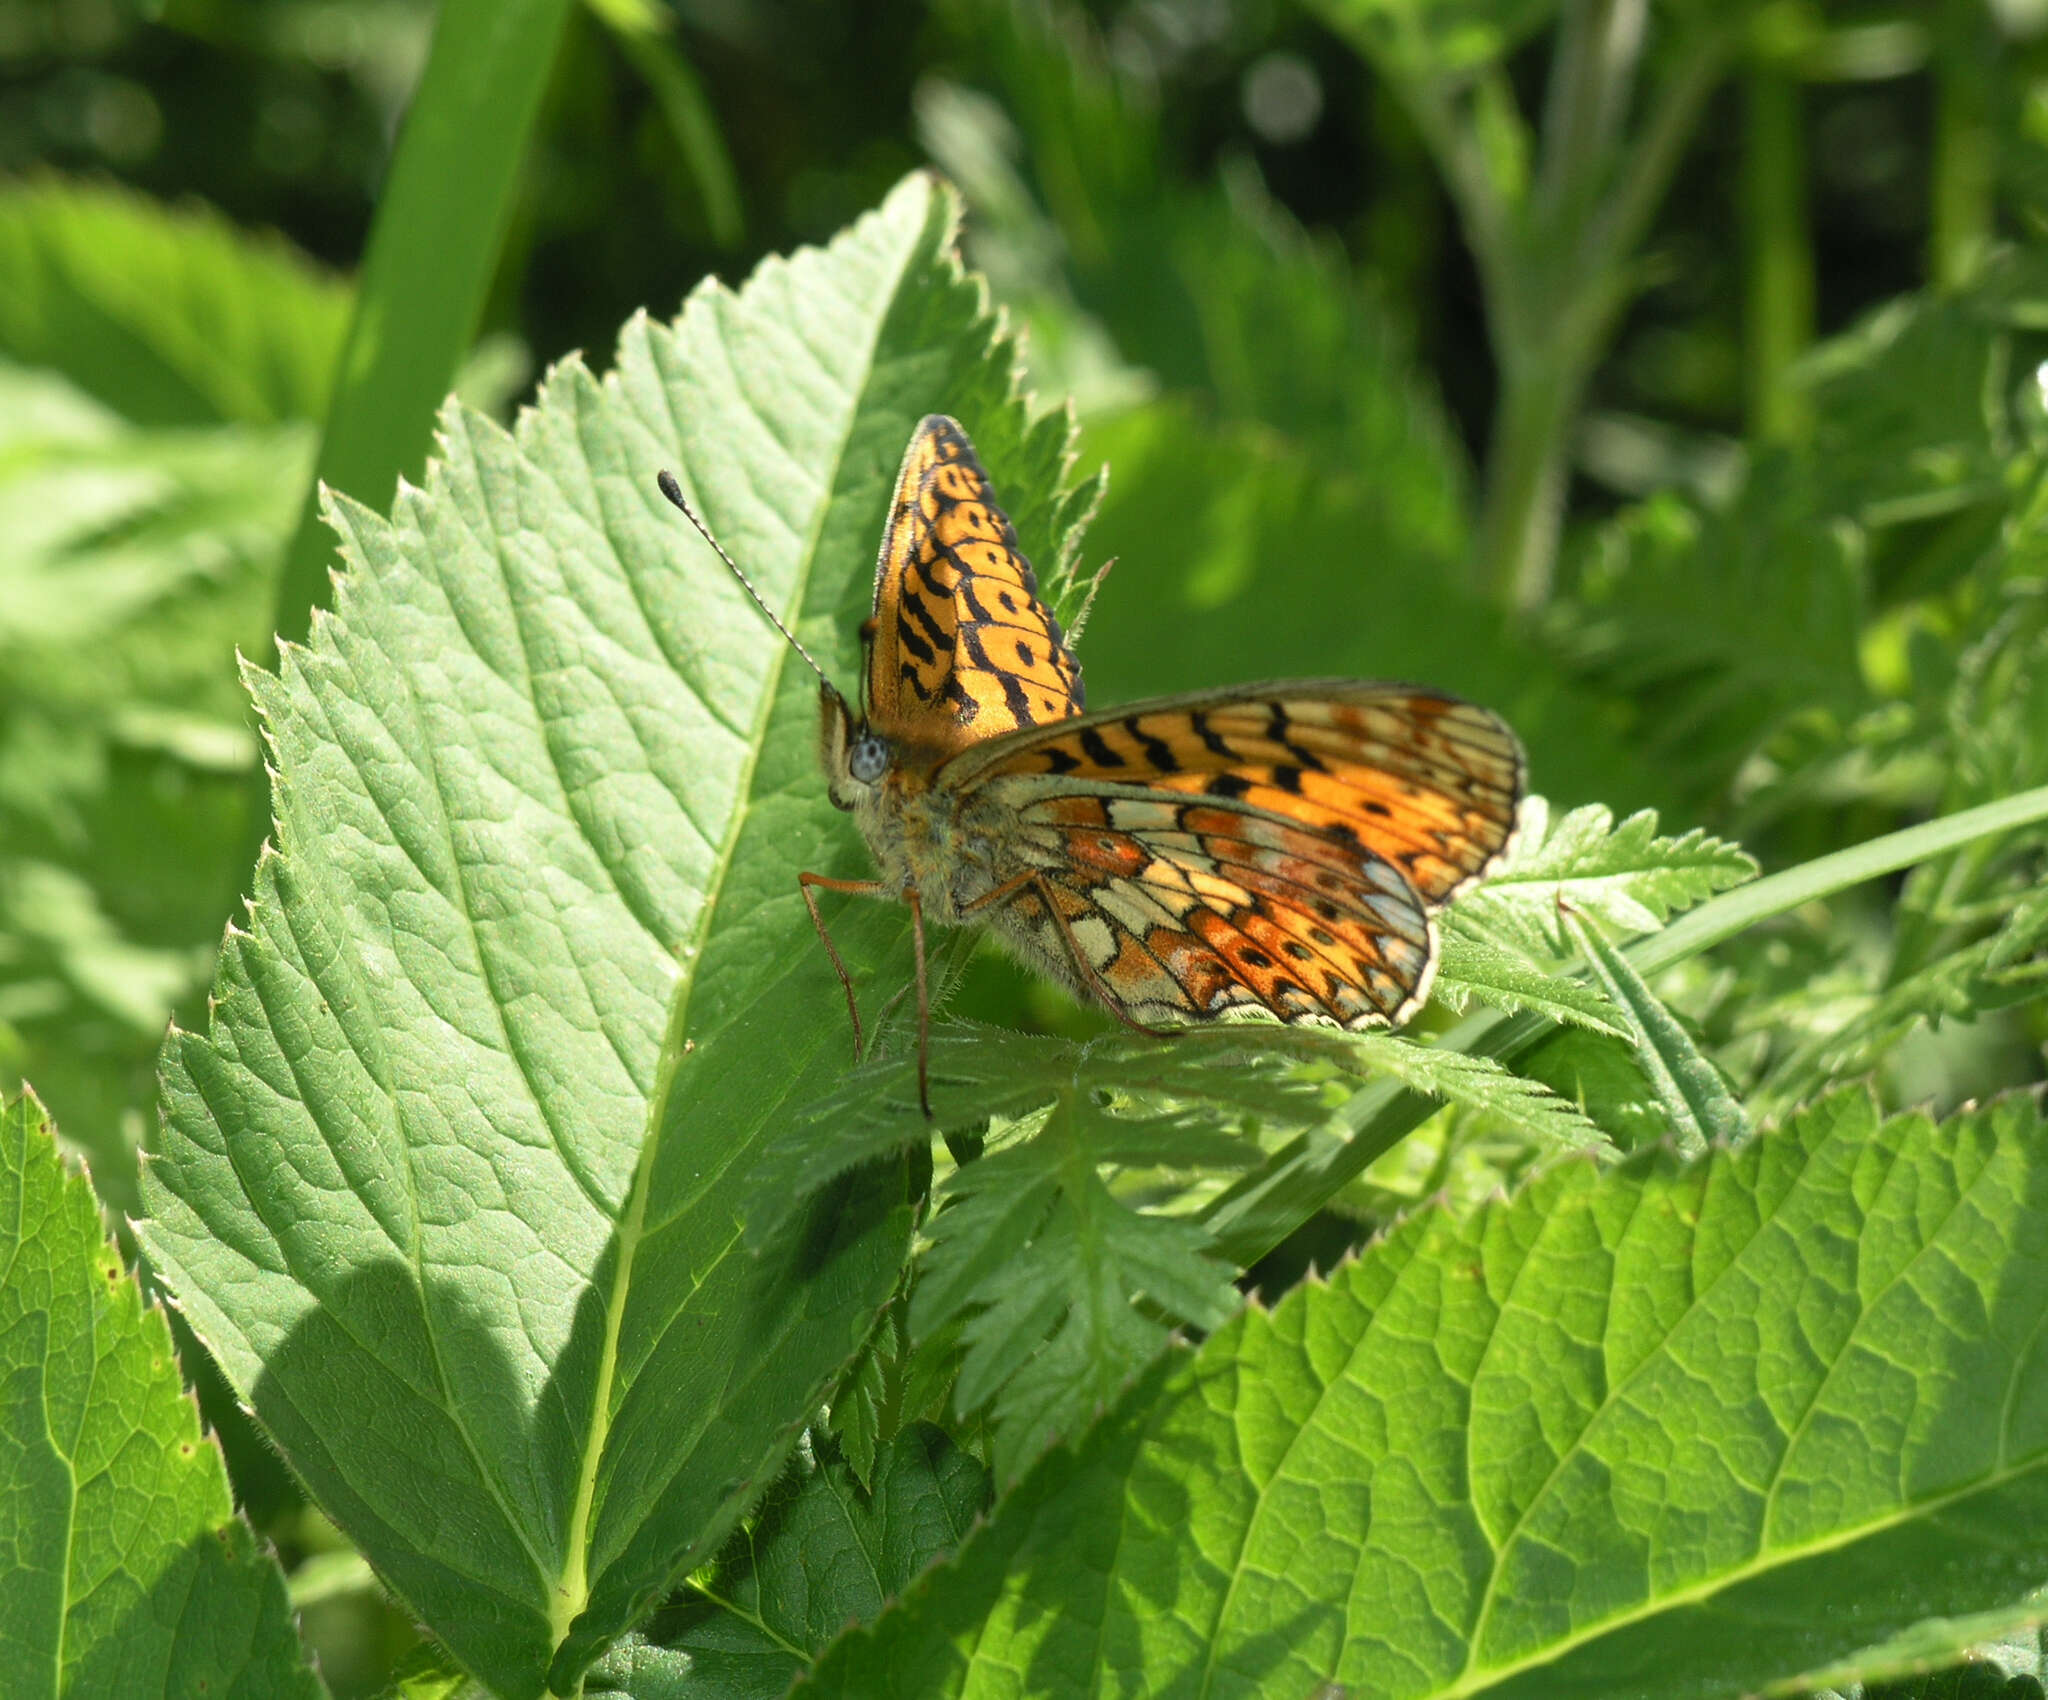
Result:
1668,376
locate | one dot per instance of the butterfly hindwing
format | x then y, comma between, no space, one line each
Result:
1192,907
961,649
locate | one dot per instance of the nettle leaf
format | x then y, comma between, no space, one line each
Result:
1623,878
453,1184
1470,970
1060,1290
129,1571
1697,1104
822,1552
1137,1095
1689,1419
1045,1268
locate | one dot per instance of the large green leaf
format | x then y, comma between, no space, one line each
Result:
452,1185
1669,1428
129,1573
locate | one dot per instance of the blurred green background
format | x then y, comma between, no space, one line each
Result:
1668,375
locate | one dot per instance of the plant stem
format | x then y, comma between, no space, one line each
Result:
1527,464
1556,288
1777,251
1963,215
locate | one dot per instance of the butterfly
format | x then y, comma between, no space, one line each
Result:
1276,849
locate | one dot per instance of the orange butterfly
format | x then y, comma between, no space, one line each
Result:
1273,847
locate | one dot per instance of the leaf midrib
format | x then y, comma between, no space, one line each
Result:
572,1589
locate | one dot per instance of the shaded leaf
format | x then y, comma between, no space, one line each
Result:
821,1553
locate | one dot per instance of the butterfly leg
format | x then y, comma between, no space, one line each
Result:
924,1007
853,888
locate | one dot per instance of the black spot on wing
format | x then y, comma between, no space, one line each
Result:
1207,733
1158,752
1098,750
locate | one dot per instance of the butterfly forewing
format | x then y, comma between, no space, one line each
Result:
1416,778
960,648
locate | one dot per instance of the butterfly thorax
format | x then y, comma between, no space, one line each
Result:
947,848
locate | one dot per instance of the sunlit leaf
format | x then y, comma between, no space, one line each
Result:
129,1570
1695,1418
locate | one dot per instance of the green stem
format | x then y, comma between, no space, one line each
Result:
1963,216
1564,287
1528,462
1777,251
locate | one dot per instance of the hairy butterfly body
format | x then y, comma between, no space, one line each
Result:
1274,849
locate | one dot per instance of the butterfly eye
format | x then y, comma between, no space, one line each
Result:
868,758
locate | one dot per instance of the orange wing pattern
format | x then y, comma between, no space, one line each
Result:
960,647
1279,847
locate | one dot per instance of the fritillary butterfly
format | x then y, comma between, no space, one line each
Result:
1277,848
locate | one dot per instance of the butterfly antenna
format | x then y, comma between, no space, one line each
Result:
674,492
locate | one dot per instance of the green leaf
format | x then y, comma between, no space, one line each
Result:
820,1553
1697,1105
1723,626
453,1185
1694,1418
1048,1266
866,1405
1470,970
1603,1076
1625,878
168,316
128,1570
1063,1290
